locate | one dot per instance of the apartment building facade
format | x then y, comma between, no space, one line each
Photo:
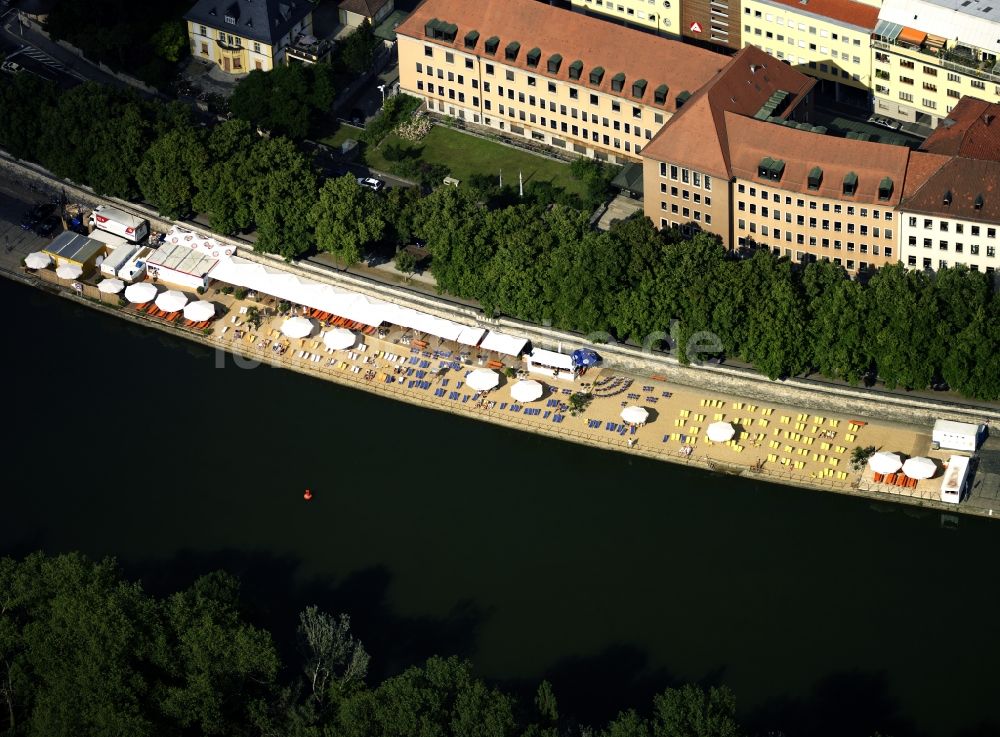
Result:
553,77
661,17
240,36
953,217
826,39
928,54
775,181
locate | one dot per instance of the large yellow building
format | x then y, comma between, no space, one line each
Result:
928,54
243,35
657,16
741,160
826,39
548,75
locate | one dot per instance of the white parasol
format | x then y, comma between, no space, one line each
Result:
483,379
140,293
37,260
171,300
199,311
111,286
885,462
69,271
635,415
720,432
919,468
339,338
297,327
527,391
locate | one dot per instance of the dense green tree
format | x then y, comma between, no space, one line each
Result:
170,42
285,99
440,699
83,639
901,326
520,242
220,669
774,316
282,191
357,50
627,724
348,218
168,170
24,98
693,712
836,317
972,364
452,222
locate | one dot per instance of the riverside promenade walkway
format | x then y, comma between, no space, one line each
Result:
774,442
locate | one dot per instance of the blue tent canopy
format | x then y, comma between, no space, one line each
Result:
585,357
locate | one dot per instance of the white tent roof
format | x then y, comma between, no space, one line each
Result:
551,358
501,343
968,24
351,305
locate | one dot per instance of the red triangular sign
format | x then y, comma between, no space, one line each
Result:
695,27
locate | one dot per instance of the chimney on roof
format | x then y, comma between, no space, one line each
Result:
987,118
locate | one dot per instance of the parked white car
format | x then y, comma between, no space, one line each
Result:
371,182
11,67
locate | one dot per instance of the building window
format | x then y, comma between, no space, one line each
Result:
428,51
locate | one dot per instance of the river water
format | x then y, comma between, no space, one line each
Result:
612,576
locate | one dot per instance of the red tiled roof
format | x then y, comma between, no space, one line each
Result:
973,131
696,135
922,167
753,140
573,36
845,11
966,180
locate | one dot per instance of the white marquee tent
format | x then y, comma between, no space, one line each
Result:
350,305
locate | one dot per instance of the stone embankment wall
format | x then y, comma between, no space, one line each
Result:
806,394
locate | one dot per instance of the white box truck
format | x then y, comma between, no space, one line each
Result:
135,268
129,227
117,259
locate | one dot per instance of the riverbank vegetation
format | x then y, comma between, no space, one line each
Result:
535,258
85,651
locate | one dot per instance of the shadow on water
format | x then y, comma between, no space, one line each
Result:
852,703
273,594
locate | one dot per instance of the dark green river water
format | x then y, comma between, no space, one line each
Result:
611,576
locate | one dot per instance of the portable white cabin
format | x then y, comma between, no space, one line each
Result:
955,435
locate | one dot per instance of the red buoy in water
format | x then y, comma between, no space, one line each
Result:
308,495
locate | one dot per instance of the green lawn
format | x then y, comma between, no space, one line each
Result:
341,134
465,155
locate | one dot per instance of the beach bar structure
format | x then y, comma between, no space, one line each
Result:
72,249
550,363
956,476
955,435
181,264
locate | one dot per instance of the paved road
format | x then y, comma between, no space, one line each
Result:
329,164
15,199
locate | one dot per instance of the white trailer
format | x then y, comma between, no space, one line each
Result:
129,227
956,435
955,478
117,259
